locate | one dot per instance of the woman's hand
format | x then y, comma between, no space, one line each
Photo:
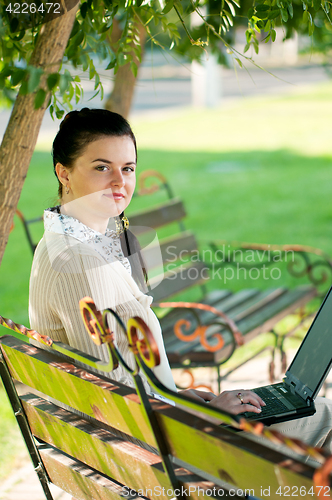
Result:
238,402
231,401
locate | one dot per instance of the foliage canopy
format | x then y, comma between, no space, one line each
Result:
166,22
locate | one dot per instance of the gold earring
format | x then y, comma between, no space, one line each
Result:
121,227
67,190
125,221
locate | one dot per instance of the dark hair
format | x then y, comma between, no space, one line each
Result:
80,128
77,130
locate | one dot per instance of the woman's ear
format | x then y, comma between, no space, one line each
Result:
62,174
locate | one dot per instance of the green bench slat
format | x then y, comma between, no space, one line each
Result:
100,399
74,476
201,447
97,447
202,454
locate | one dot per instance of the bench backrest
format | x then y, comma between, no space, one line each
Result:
100,439
176,244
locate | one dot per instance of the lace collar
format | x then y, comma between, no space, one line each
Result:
107,245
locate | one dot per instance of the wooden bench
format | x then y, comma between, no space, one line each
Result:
98,439
207,330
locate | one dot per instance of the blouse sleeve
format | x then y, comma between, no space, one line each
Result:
109,285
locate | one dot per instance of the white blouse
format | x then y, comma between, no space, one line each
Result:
73,261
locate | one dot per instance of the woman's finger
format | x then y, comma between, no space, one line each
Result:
246,407
251,396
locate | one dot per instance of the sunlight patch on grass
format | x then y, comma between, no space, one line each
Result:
299,121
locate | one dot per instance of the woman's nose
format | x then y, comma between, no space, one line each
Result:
117,178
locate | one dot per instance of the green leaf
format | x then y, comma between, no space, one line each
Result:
59,113
311,25
168,7
24,88
71,91
290,9
34,79
92,70
231,8
78,39
63,83
77,94
284,15
7,72
40,98
53,80
97,80
84,9
111,64
134,69
17,77
19,37
13,25
246,48
122,59
262,7
178,5
239,62
75,29
250,13
274,13
273,35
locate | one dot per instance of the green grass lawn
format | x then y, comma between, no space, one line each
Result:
256,170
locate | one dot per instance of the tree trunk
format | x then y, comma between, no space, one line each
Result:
22,130
124,82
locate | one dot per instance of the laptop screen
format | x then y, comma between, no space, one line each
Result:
313,358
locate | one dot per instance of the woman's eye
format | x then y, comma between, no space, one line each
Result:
101,168
129,169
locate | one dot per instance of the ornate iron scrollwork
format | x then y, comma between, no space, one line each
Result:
301,261
224,321
143,189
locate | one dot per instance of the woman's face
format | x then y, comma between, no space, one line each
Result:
102,180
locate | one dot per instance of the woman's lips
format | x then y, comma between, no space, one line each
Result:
115,196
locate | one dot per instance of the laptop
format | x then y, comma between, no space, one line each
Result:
294,396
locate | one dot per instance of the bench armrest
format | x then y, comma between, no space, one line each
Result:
302,261
200,331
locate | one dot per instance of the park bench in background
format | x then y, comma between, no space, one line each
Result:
206,330
100,440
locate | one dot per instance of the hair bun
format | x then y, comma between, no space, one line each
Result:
70,115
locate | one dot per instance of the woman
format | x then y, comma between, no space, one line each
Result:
87,251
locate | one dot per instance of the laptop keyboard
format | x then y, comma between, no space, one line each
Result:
273,405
